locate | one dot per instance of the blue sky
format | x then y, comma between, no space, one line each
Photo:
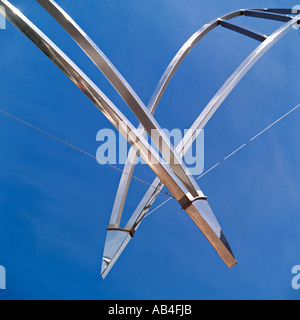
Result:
55,203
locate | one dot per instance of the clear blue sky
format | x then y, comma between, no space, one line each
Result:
55,203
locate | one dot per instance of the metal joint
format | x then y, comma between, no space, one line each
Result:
184,207
131,231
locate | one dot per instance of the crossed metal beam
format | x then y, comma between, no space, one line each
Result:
174,175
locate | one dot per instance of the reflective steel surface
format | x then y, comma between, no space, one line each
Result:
150,196
127,93
174,176
98,98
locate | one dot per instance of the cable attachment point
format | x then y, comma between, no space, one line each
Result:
184,207
127,229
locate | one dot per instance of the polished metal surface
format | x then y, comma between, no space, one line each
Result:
127,93
174,176
154,101
80,37
236,77
151,195
98,98
152,105
174,185
88,46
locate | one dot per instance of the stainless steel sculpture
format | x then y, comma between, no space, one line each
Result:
174,176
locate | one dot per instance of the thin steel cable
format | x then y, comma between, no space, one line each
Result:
162,204
80,150
148,214
249,141
232,153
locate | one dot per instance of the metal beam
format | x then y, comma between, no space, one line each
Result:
127,93
152,106
283,11
267,15
236,77
243,30
178,59
179,183
98,98
151,195
205,220
201,121
157,95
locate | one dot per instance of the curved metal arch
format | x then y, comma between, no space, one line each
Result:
196,207
120,84
191,43
219,98
131,98
161,88
97,97
127,93
201,121
158,93
124,89
198,210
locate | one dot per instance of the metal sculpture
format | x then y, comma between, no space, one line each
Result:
174,175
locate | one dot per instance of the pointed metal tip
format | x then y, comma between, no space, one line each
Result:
115,243
231,262
203,216
225,242
105,263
